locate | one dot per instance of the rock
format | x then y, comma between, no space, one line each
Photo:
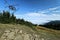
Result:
17,34
20,31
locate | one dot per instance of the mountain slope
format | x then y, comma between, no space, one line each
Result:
49,33
22,32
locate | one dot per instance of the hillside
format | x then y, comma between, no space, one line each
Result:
22,32
12,28
55,34
52,25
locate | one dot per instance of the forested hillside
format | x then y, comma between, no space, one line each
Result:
8,18
52,25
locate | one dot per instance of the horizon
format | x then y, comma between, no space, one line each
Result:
35,11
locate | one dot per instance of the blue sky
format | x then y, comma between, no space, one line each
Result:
35,11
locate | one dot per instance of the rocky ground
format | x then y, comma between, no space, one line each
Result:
21,32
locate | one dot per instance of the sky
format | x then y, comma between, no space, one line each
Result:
35,11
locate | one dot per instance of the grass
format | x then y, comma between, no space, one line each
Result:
45,33
4,27
49,33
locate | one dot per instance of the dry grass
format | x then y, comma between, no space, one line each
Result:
43,32
48,30
55,34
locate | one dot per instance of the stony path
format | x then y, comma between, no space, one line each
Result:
17,34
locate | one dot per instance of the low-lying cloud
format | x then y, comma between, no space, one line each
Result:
41,16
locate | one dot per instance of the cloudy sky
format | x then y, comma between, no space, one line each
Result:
35,11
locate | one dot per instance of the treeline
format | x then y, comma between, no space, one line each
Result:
8,18
52,25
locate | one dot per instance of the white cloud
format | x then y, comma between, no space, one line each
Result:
40,17
32,14
54,8
57,11
43,11
51,10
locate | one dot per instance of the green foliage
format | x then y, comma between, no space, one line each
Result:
7,18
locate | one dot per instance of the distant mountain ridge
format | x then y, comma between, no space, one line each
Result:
53,24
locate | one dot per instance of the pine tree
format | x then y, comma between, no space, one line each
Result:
13,18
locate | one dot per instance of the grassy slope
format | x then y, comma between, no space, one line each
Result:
3,27
48,34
